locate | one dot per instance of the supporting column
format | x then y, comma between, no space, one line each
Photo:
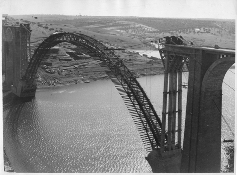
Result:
208,158
8,54
166,65
192,111
167,158
202,137
174,110
179,105
14,55
168,162
23,89
170,112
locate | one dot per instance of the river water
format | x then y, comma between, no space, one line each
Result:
149,53
86,128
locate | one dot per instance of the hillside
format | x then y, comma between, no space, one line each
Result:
125,32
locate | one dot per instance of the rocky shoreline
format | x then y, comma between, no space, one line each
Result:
92,79
54,72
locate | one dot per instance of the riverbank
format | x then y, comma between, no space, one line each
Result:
62,73
93,72
66,112
41,86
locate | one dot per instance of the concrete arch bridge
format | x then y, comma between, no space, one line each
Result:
202,136
140,107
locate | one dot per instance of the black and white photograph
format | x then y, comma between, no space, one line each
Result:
118,86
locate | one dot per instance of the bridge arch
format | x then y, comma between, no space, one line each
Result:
135,98
76,39
215,74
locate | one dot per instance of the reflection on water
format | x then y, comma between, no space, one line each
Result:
81,128
64,130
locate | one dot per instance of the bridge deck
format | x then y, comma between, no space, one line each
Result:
190,49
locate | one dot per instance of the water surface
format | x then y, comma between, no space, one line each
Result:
87,128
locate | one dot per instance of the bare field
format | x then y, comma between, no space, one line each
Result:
135,32
128,33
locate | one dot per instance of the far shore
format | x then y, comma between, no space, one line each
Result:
82,82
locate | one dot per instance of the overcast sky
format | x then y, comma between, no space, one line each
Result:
222,9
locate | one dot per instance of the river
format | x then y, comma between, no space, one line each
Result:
149,53
87,128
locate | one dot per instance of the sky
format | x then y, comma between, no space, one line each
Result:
220,9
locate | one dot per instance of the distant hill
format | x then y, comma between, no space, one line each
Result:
161,24
169,24
126,31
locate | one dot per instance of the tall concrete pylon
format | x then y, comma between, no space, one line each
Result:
202,136
201,151
15,53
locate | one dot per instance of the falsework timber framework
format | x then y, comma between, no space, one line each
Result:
139,105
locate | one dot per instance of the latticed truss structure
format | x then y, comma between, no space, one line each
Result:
135,98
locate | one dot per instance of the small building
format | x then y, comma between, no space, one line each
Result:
54,50
4,17
197,30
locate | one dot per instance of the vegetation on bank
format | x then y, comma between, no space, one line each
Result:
118,32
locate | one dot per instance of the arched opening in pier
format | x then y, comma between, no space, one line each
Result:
228,121
218,109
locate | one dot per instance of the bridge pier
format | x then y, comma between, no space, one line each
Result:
23,89
15,44
167,158
202,136
168,162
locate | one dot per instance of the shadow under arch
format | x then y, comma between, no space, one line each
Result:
18,123
12,108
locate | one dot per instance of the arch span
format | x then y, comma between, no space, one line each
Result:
76,39
139,105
